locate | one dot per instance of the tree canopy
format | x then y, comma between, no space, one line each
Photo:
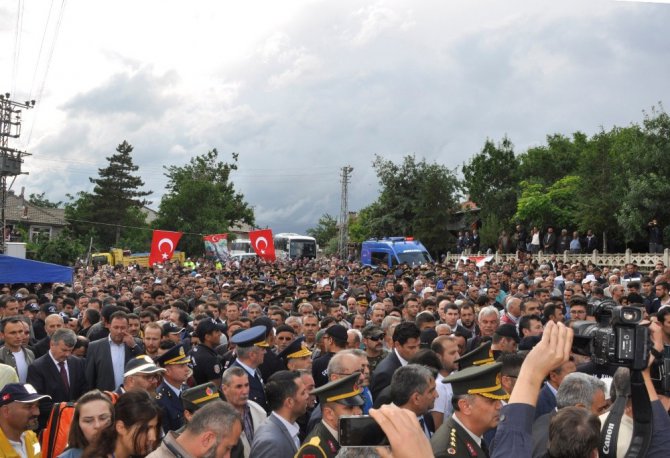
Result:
201,199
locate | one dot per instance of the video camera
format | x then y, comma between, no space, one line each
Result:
616,338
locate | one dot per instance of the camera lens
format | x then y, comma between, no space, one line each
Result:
629,315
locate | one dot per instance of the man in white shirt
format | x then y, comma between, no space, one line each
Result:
13,353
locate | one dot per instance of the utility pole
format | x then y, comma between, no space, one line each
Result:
344,212
10,158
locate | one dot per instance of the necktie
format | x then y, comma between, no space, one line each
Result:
485,449
422,422
63,376
248,424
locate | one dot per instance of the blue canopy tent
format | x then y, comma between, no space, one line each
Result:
17,270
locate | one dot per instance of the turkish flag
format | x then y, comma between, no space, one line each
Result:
262,243
215,238
163,245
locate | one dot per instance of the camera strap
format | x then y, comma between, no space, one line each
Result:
609,434
642,416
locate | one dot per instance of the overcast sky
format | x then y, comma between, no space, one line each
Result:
302,88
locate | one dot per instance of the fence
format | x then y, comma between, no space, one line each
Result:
645,261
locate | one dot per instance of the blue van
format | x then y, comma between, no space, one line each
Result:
391,251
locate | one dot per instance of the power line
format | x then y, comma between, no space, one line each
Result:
39,54
125,227
17,43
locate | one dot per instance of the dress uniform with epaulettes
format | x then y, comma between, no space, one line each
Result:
170,402
452,439
320,442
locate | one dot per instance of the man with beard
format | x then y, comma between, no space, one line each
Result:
373,338
152,339
19,413
446,349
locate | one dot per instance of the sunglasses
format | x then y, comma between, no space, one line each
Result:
377,338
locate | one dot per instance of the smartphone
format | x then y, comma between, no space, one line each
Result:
361,431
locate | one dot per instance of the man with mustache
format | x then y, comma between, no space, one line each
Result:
19,413
235,388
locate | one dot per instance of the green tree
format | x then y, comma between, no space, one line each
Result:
541,206
40,200
115,194
359,225
63,249
548,163
324,231
201,199
490,180
646,199
416,199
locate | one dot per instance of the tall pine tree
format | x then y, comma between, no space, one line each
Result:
117,196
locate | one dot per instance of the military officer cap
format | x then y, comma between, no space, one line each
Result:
170,328
252,336
142,364
343,391
314,297
198,396
483,380
175,355
477,357
296,349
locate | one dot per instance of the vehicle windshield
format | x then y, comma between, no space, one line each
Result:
244,247
302,249
99,259
414,258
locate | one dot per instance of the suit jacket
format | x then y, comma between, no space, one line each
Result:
44,375
546,401
541,434
458,443
319,444
381,378
41,347
256,390
99,369
272,440
258,417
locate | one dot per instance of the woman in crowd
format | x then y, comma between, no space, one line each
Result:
135,430
93,413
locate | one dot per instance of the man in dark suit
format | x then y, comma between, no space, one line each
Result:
106,358
546,401
288,398
250,347
413,388
58,373
51,324
406,341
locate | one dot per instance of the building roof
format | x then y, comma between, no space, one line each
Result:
20,209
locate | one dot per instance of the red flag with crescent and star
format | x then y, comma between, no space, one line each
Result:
263,245
163,245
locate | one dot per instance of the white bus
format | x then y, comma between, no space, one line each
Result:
241,249
294,246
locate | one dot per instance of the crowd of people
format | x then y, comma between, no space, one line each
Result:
255,359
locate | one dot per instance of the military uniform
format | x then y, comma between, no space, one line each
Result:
206,364
173,410
170,402
320,443
452,440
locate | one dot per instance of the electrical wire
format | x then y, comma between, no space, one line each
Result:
46,70
39,54
17,43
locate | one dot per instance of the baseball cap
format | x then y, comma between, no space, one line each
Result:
20,392
143,364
